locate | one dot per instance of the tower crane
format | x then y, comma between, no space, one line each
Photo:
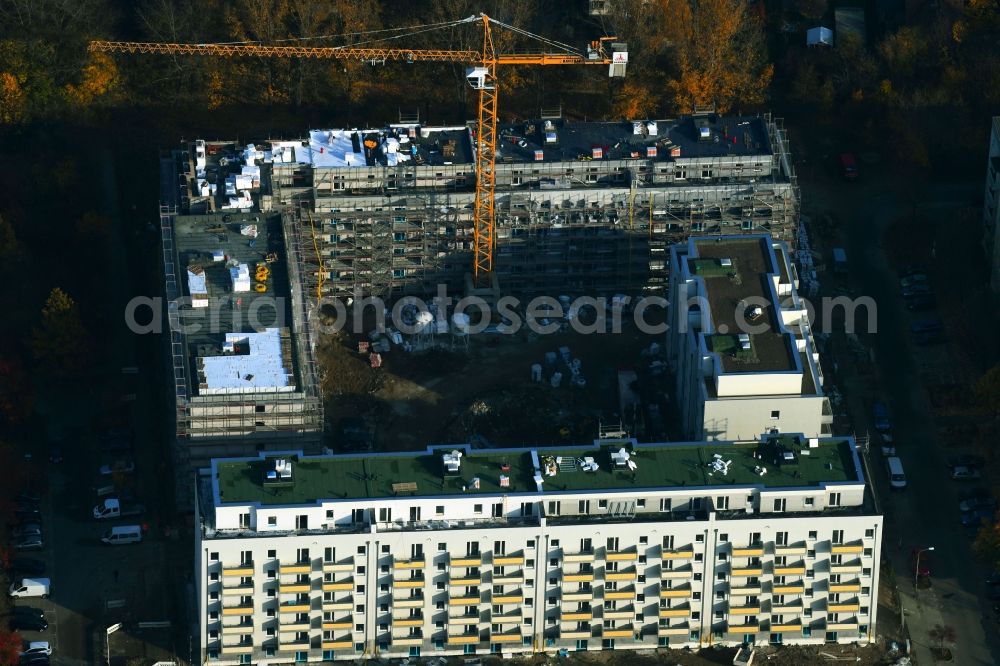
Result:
480,73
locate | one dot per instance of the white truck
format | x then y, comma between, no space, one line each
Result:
30,587
111,507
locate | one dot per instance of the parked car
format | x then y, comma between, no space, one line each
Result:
881,414
37,647
888,444
964,473
29,543
119,466
977,503
920,302
976,517
967,460
19,622
26,566
28,516
38,659
28,610
27,530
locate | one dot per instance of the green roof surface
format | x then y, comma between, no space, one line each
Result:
657,466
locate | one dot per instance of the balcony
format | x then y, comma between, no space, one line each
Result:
743,628
464,601
849,568
744,591
338,605
677,554
294,625
845,548
744,610
756,550
238,610
237,649
621,556
300,568
846,625
843,607
398,565
845,587
407,602
786,626
578,578
581,595
577,632
516,578
237,591
746,572
406,641
507,637
629,574
794,607
242,570
339,586
341,643
294,607
469,561
460,582
293,645
790,588
619,632
507,618
784,551
675,592
675,611
578,557
672,574
293,588
576,616
515,597
619,613
236,629
405,622
679,630
620,594
338,567
798,569
508,560
463,639
409,583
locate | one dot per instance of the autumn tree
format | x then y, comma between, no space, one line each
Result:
60,343
11,645
99,82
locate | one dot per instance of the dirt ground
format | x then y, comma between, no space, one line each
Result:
485,393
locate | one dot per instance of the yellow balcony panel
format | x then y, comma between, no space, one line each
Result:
407,603
620,575
338,568
237,649
787,609
744,610
463,601
681,611
577,616
293,646
406,641
669,574
294,568
743,628
845,568
746,572
677,554
845,587
675,592
246,570
239,590
340,644
338,605
673,631
843,608
578,557
294,626
296,588
293,608
789,550
463,639
405,622
790,571
619,614
516,618
506,638
342,623
797,588
578,578
748,551
508,598
744,591
475,580
237,610
842,626
793,626
342,586
578,596
508,560
409,583
409,564
841,549
231,629
619,594
515,579
584,633
621,556
466,562
618,633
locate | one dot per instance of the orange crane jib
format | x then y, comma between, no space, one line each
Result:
482,77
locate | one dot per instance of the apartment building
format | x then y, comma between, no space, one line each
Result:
454,551
740,342
991,205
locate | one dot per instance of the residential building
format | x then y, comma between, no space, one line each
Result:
991,205
740,342
456,551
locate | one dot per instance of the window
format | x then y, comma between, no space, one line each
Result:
779,504
665,504
553,508
838,535
272,521
439,510
775,415
809,501
442,547
643,540
328,554
272,554
722,502
834,499
870,534
812,535
361,550
699,538
477,508
602,504
781,538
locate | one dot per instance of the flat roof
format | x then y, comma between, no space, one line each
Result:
727,288
253,362
340,477
390,146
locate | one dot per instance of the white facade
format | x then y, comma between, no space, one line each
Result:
629,568
738,403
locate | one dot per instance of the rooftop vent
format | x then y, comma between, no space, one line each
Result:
539,155
651,127
281,472
597,153
704,133
744,341
726,263
452,461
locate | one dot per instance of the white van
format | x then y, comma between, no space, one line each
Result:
123,534
897,478
30,587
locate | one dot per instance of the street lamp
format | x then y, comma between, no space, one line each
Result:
916,566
